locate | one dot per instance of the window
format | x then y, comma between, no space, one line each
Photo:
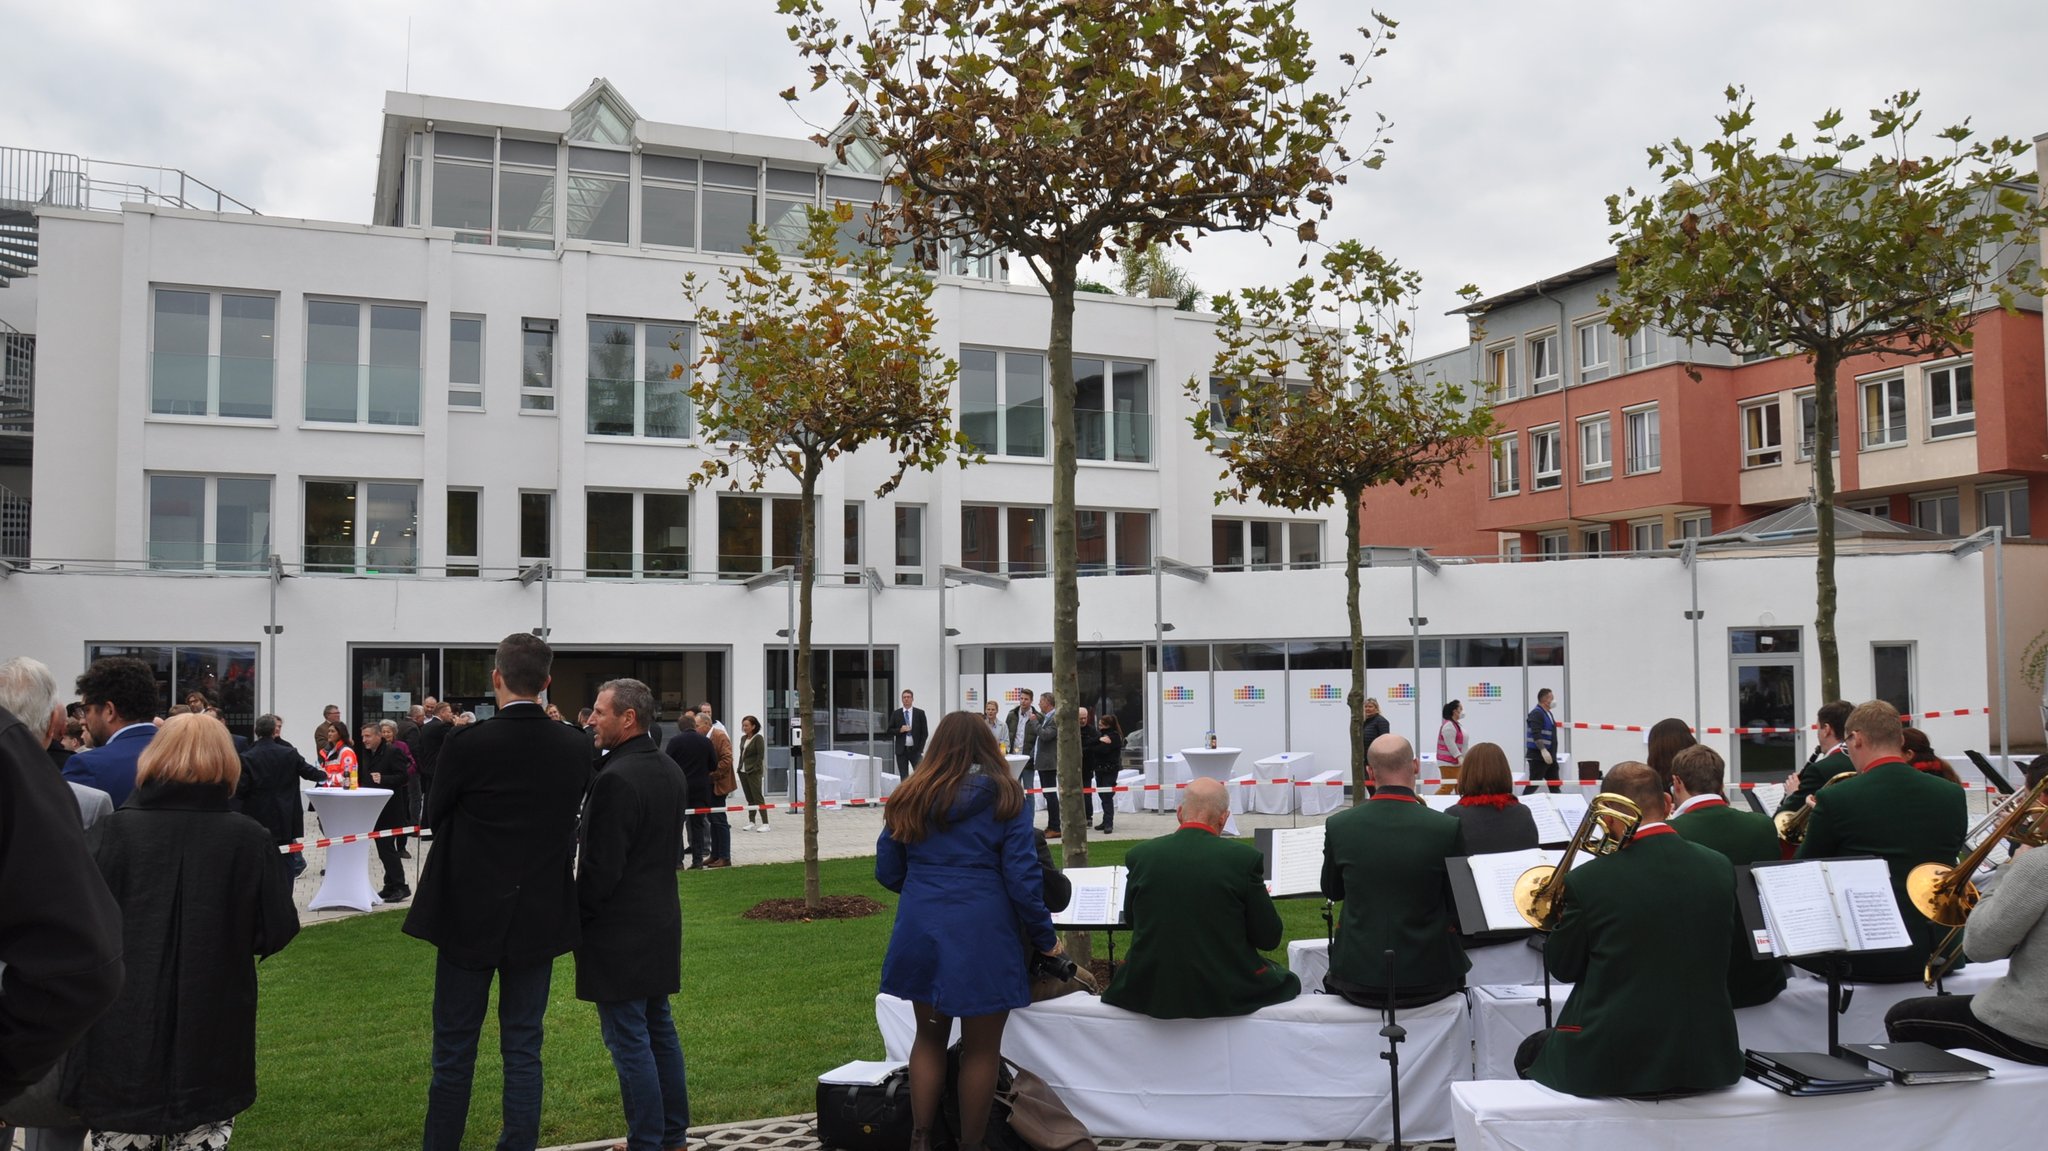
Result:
1265,545
1595,343
1596,449
1763,441
731,194
758,533
600,197
462,184
465,361
1002,402
204,523
1011,540
866,200
668,201
1938,512
639,379
226,673
362,527
1111,411
1305,545
462,532
1511,549
659,521
1695,525
212,354
1546,455
362,363
2005,507
1645,444
789,194
1543,374
910,544
1891,667
1507,465
536,365
852,549
1884,413
1809,427
1500,373
536,527
526,194
1951,402
1647,348
1025,543
1882,509
1597,541
1646,536
1552,546
1113,542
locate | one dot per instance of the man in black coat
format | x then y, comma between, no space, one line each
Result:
269,791
498,895
911,735
426,751
691,750
630,960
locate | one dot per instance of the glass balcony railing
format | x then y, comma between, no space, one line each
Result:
362,393
238,387
1122,437
617,409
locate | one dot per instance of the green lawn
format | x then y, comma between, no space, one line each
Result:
343,1033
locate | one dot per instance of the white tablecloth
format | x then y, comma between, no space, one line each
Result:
1322,796
1214,762
1279,798
1513,962
1995,1115
830,787
1167,798
1307,1069
1797,1020
861,773
345,811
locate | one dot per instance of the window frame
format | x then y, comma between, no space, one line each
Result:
908,572
1555,545
216,337
1762,428
1892,434
1946,503
1501,366
529,556
362,562
1546,476
771,507
1652,442
1506,457
1954,425
365,387
208,543
466,565
686,356
1603,367
2003,494
638,567
1540,350
1636,530
1911,648
1693,525
1596,467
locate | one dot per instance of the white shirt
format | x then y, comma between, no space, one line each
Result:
1695,801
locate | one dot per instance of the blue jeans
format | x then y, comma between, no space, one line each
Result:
460,996
649,1059
721,832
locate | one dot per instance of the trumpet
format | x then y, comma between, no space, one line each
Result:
1946,894
1792,824
1539,891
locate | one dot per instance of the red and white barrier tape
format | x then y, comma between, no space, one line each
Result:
334,841
1951,713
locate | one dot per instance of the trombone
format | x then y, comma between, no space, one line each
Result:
1946,895
1791,825
1539,891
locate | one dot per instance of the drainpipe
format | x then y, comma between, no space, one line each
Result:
1565,431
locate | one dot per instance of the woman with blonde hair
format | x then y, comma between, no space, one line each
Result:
957,844
174,1061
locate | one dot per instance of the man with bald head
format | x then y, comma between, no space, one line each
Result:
1199,916
1644,936
1385,860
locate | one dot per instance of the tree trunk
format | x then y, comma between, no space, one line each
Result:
813,892
1825,363
1356,697
1066,590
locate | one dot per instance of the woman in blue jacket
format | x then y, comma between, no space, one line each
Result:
957,844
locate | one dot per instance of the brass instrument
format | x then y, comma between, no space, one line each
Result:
1791,825
1946,894
1539,891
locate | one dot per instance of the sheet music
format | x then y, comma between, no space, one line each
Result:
1800,909
1295,862
1494,876
1550,827
1863,894
1571,810
1098,897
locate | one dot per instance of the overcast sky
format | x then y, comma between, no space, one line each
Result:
1512,120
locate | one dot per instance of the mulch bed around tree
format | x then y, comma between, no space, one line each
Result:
829,907
1102,971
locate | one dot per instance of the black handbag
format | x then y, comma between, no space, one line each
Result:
866,1116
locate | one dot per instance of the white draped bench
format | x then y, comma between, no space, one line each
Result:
1511,962
1305,1070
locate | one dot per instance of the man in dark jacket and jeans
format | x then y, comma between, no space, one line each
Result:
271,771
630,960
498,896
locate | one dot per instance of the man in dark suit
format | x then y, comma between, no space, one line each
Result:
1386,860
1903,816
1644,936
498,895
1539,741
1199,916
120,695
1042,744
426,751
1831,756
269,790
630,960
911,735
1704,816
691,751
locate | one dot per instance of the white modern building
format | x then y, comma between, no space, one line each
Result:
298,462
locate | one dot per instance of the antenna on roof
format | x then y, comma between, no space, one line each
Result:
408,53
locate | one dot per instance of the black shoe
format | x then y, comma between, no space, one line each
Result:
1104,828
403,853
396,895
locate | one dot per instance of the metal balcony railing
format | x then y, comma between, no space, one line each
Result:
63,180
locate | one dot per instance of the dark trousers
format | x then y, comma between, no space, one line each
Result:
1540,770
1048,779
697,844
460,996
641,1035
906,761
720,829
1105,782
394,864
1947,1021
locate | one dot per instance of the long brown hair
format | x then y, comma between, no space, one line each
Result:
961,746
1484,771
1668,737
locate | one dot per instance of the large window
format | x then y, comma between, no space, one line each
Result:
536,527
206,523
1648,347
467,168
1543,368
1112,404
463,520
1500,373
909,539
2005,507
1596,448
465,361
1507,465
1552,546
1763,438
362,526
1011,540
1265,545
757,533
789,193
226,673
1695,525
1809,427
639,383
1597,541
730,204
1939,512
1546,455
212,354
1646,536
526,194
599,203
1892,674
1951,402
1002,402
658,521
1884,413
1595,342
362,363
1113,542
1645,442
668,201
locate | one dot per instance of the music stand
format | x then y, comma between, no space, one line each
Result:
1465,900
1834,964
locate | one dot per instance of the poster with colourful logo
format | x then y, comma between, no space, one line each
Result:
1251,713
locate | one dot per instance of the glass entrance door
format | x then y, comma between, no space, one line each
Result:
1764,685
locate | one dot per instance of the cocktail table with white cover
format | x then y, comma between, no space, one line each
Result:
1214,763
1511,962
830,787
1169,778
1994,1115
1304,1070
1279,798
347,811
860,773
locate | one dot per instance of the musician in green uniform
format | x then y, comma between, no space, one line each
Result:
1704,816
1644,937
1385,859
1199,916
1904,816
1830,760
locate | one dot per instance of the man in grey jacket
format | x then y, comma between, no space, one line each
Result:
1042,744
